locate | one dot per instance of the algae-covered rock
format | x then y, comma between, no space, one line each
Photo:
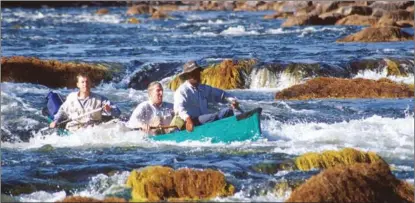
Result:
50,73
323,87
228,74
331,158
378,34
157,183
360,182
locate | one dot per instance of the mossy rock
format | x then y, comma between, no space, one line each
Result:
51,73
226,75
359,182
324,87
394,68
158,183
331,158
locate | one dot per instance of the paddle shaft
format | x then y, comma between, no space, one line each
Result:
83,115
163,127
71,119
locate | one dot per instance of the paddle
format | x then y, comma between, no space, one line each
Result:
163,127
71,119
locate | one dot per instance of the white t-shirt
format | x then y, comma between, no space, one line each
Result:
146,111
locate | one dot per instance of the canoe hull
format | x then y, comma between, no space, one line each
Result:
242,127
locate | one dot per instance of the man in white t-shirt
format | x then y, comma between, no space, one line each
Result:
152,113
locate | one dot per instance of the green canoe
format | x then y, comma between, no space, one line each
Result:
245,126
242,127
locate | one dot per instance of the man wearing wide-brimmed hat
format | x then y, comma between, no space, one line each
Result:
191,99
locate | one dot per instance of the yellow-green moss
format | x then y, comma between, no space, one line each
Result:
393,69
226,75
151,184
332,158
157,183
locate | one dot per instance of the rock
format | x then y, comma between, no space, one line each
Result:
284,187
158,183
360,182
50,73
167,8
102,11
88,199
345,88
159,15
358,20
133,21
226,75
247,6
378,34
391,6
350,10
405,23
329,6
279,15
305,10
331,158
397,16
46,148
139,9
300,71
152,72
378,12
302,20
394,67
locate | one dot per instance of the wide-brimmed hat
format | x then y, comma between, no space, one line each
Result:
189,67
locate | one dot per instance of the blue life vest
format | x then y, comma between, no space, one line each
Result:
54,101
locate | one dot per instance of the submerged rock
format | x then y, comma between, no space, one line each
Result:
50,73
102,11
228,74
378,34
359,182
392,66
157,183
346,88
152,72
89,199
159,15
46,148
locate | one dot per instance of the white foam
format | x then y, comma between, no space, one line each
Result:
390,137
42,196
303,31
374,75
264,78
103,185
238,31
